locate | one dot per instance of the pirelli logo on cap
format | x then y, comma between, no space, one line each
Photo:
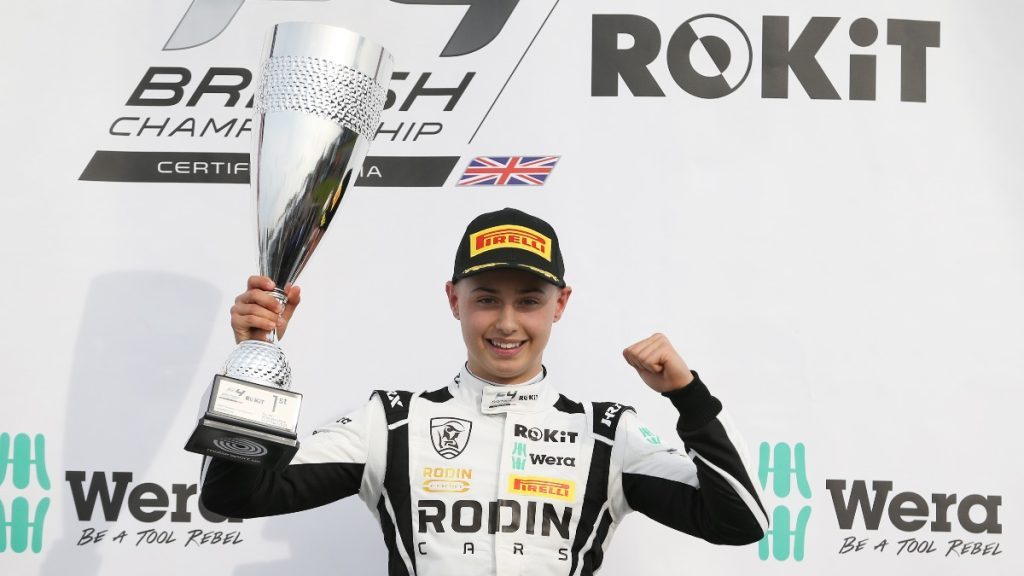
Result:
510,236
555,488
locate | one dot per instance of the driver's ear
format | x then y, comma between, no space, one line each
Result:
563,300
453,298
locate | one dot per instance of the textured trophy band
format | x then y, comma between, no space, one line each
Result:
321,88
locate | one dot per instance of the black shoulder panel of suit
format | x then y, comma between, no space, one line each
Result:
568,406
438,396
396,404
606,418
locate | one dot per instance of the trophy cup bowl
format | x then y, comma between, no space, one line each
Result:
318,102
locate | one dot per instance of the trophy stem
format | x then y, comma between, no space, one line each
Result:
281,297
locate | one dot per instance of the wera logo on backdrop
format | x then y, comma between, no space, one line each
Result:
23,471
785,465
206,19
969,525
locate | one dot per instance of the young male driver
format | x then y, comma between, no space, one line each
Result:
497,472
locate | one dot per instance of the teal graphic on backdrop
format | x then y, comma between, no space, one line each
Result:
19,524
785,538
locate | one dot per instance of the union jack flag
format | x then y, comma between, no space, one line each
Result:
508,171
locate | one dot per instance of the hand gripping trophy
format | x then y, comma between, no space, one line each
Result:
318,103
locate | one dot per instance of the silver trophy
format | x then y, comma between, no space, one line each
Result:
319,97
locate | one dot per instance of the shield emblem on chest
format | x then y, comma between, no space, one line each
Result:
450,435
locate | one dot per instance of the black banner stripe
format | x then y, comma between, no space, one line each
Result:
233,168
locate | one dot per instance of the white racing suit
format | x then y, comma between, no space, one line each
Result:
476,478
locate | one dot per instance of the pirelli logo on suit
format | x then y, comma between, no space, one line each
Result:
554,488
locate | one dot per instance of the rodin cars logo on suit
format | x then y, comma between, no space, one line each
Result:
446,479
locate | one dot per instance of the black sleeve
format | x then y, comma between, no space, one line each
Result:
707,492
330,465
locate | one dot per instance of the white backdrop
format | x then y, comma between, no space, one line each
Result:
846,275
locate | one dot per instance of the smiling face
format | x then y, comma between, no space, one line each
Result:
506,318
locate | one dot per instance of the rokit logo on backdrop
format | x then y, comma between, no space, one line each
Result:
214,104
710,56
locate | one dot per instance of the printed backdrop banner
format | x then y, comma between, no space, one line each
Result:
818,202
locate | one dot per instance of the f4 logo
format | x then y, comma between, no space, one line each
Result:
481,24
203,21
206,19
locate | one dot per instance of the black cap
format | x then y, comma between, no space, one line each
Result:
510,238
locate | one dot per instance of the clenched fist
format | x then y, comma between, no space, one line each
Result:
256,312
658,363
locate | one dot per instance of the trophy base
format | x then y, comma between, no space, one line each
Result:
248,423
242,444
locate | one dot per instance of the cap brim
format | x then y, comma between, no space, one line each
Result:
481,268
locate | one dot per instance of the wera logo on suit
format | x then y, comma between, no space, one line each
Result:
520,455
784,464
23,459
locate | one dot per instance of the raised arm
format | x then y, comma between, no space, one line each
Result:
330,465
708,491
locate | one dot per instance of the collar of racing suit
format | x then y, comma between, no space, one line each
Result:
536,395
